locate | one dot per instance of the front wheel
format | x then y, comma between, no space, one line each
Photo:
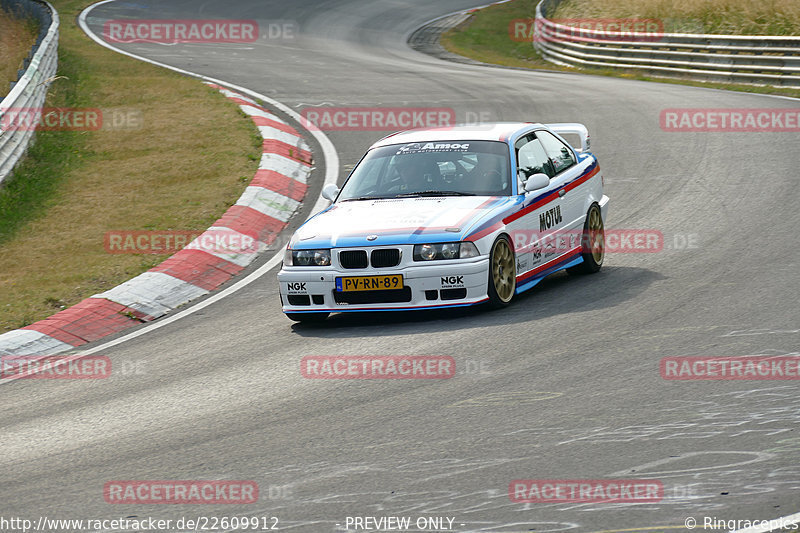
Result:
593,242
502,273
307,317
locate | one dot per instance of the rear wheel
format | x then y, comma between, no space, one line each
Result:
592,243
502,273
307,317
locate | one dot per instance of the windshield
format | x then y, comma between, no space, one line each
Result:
448,168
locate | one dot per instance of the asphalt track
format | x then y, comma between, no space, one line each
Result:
564,384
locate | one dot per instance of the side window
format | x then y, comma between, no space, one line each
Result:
532,158
558,153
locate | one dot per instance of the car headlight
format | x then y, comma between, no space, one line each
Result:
424,252
307,257
450,250
446,250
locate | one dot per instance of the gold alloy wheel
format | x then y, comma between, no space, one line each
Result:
504,274
596,236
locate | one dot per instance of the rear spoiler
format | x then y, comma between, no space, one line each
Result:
573,128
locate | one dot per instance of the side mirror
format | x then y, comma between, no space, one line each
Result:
537,181
330,192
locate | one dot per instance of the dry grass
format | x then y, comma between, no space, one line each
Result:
190,160
16,39
738,17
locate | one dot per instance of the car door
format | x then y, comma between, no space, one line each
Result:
566,170
536,224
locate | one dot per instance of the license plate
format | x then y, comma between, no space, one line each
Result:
369,283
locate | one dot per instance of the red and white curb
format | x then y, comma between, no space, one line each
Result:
262,211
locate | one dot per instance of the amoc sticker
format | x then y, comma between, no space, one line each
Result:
433,147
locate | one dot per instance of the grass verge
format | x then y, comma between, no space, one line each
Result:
485,35
186,155
17,36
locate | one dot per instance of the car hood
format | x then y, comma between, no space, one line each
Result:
397,221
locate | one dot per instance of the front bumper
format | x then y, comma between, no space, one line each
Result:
426,286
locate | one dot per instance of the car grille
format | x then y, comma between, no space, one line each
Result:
385,258
353,259
373,297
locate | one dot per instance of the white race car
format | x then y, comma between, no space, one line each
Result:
449,217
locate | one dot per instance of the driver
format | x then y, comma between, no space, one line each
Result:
484,176
412,170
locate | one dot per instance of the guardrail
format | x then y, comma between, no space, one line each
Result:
768,60
29,91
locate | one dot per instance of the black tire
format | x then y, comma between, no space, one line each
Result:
307,317
502,273
592,243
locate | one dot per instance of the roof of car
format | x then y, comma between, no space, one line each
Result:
495,131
